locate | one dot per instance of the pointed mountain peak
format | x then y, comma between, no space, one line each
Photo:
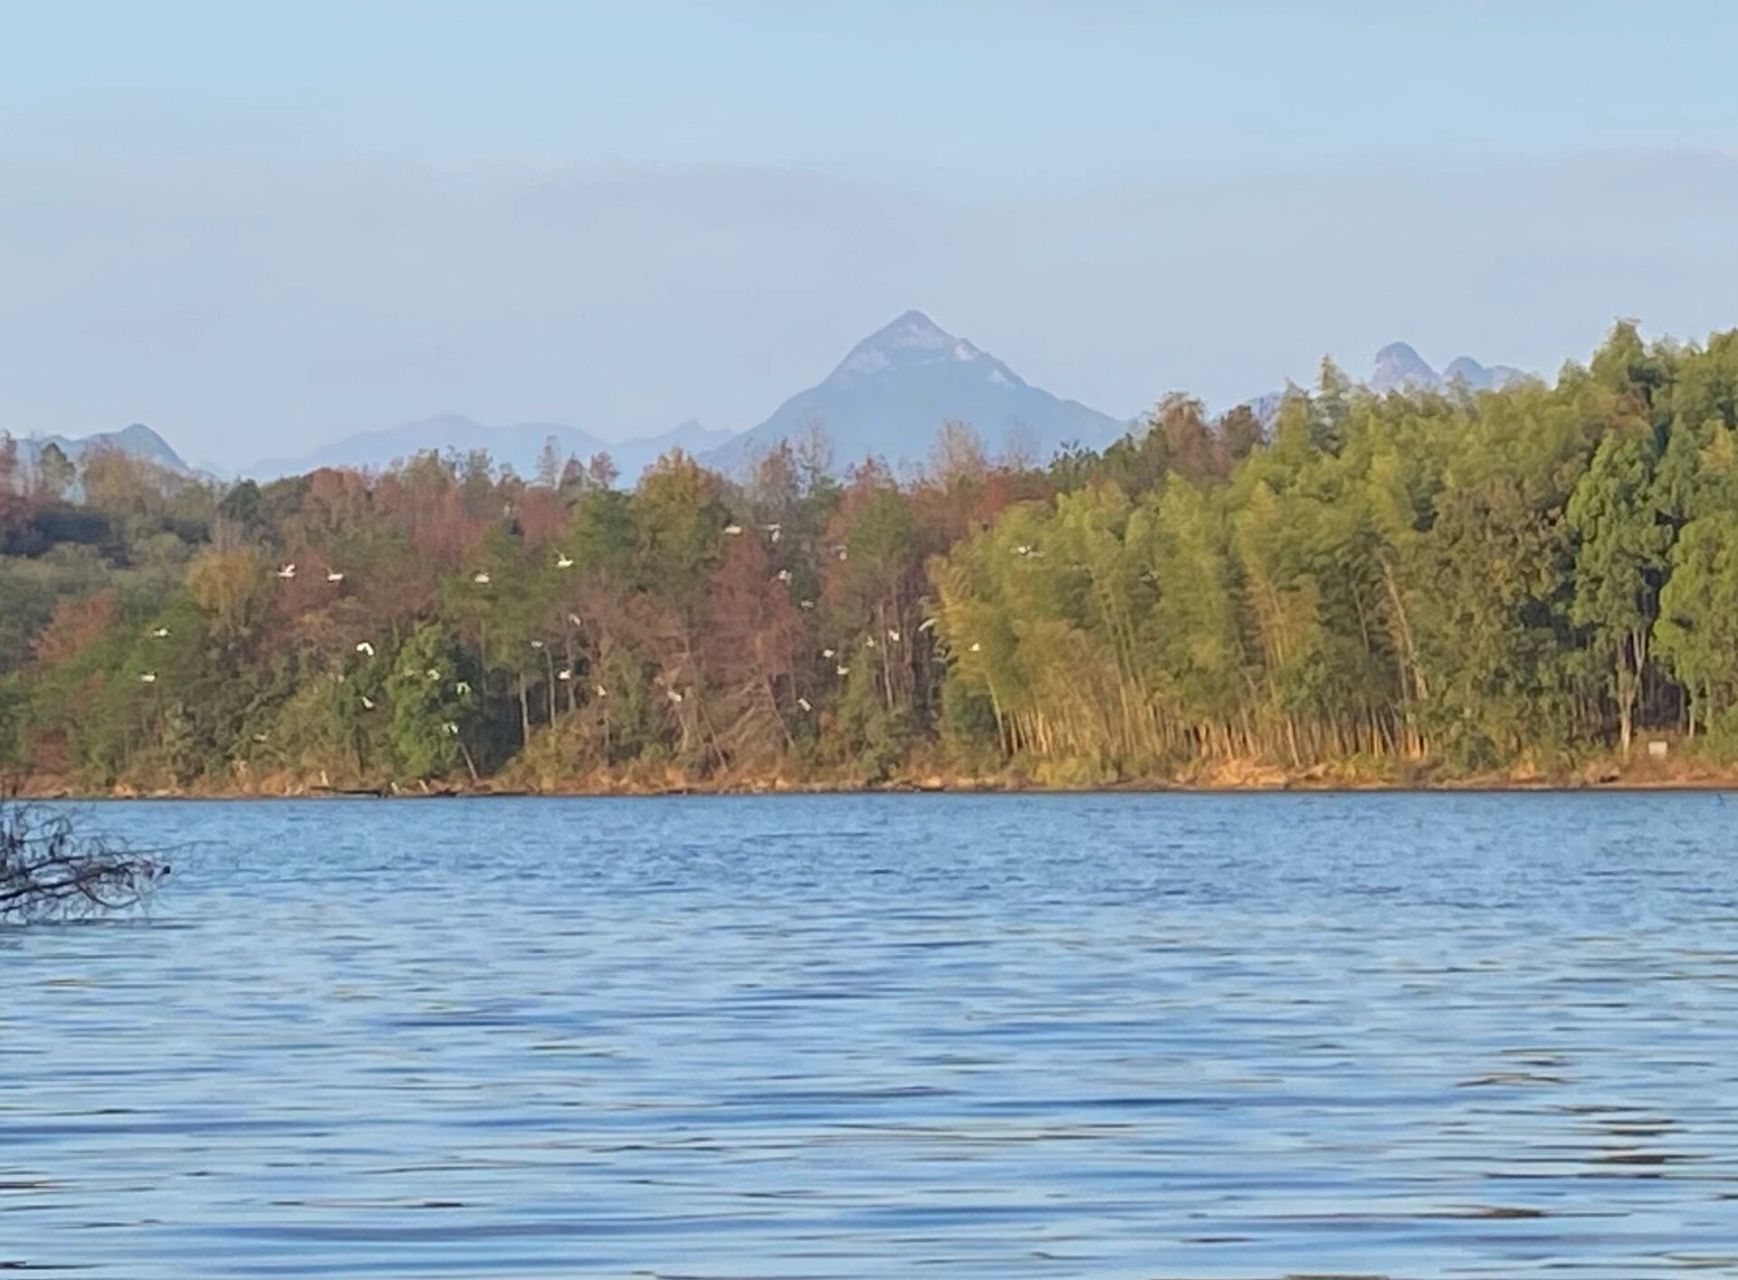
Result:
1399,366
911,329
911,339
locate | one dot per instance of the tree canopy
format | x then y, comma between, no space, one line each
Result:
1462,581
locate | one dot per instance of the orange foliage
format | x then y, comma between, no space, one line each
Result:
76,625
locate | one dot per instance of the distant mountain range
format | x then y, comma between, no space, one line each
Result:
518,445
887,398
893,391
137,441
1400,368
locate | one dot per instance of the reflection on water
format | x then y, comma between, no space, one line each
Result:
1116,1036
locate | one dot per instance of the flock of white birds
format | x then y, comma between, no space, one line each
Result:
482,578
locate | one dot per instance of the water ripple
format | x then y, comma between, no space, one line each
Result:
1213,1037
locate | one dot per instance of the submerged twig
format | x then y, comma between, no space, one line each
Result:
48,871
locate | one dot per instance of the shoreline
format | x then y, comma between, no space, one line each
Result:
1269,783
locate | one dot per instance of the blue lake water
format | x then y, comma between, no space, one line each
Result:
879,1036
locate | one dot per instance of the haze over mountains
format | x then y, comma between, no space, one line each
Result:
518,444
887,398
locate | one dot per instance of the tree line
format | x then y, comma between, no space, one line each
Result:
1457,583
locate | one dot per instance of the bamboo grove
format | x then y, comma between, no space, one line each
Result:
1461,583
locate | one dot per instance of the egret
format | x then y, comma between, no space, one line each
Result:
161,633
1024,549
842,669
926,624
261,737
783,575
808,604
451,728
843,553
566,673
480,578
675,695
869,641
893,634
365,648
976,647
563,561
601,691
462,688
537,644
804,704
333,575
367,703
287,572
432,674
148,677
733,529
575,620
826,653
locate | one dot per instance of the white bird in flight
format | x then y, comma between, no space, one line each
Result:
287,572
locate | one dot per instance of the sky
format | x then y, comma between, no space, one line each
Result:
259,226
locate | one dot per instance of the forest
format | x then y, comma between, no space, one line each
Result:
1532,582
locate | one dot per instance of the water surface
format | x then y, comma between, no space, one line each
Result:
1048,1036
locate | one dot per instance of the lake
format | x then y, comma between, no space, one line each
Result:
877,1036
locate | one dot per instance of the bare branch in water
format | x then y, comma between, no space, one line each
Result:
48,871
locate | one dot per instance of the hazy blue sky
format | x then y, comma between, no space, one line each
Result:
254,226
